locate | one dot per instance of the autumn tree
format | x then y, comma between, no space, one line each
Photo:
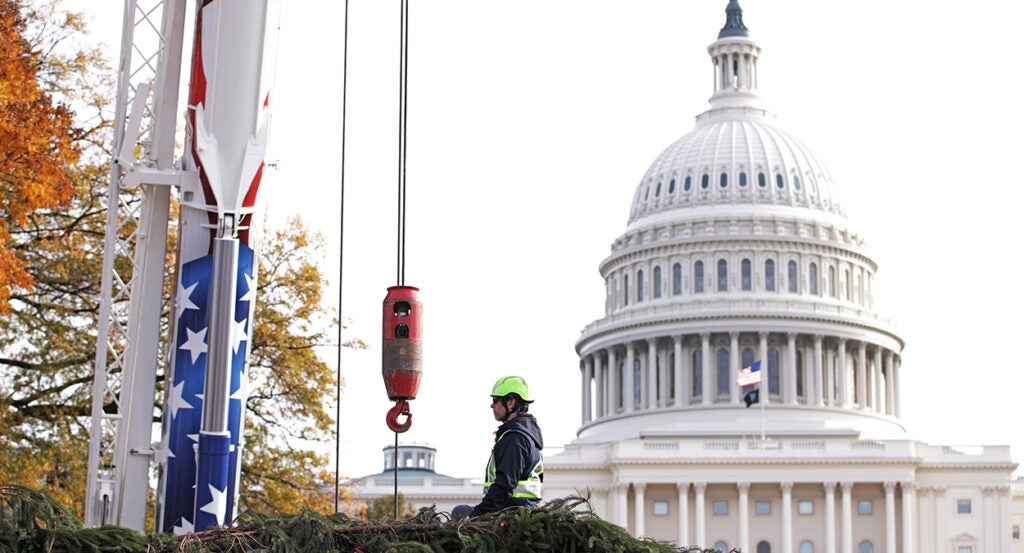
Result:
48,333
383,508
38,138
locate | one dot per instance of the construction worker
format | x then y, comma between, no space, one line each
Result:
515,470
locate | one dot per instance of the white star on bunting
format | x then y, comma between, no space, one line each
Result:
195,344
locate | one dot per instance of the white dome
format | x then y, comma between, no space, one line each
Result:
734,156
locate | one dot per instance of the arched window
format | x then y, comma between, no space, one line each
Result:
620,372
657,282
677,279
671,186
723,275
647,193
794,280
697,378
832,281
812,276
745,280
769,275
698,277
763,547
722,372
747,357
637,381
849,285
721,546
723,180
625,289
761,180
773,371
640,286
704,181
657,191
796,182
779,181
743,180
806,547
688,183
865,547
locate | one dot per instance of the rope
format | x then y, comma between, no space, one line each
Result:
341,264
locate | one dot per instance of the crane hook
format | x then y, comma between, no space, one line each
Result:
401,408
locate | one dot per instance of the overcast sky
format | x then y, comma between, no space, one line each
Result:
530,124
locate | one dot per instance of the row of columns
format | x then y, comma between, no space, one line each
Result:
841,543
876,387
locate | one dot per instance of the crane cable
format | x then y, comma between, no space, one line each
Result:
403,111
341,265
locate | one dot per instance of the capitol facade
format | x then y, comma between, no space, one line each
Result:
737,251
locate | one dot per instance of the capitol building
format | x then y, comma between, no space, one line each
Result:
738,251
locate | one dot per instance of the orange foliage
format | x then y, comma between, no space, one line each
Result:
36,146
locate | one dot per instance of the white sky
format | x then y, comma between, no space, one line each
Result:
532,121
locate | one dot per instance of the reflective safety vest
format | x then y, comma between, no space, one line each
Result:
529,488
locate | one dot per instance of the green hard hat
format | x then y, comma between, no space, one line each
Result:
512,385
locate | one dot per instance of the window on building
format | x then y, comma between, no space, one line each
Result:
698,277
796,182
769,275
657,282
637,381
660,508
723,275
832,281
800,391
812,277
722,372
806,547
849,285
761,180
779,181
964,549
865,507
721,546
687,183
625,289
677,279
720,507
764,547
805,507
743,180
639,286
704,181
794,279
723,180
657,191
745,278
1016,532
671,380
671,186
747,357
865,547
697,378
647,193
963,506
773,371
763,507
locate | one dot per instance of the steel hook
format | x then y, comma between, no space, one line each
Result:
401,408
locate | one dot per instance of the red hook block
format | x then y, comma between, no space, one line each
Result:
401,408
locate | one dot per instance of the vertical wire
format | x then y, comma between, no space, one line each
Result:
341,265
402,134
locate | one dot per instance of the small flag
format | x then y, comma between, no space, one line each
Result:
749,375
752,397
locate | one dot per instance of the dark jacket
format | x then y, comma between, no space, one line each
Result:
517,446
